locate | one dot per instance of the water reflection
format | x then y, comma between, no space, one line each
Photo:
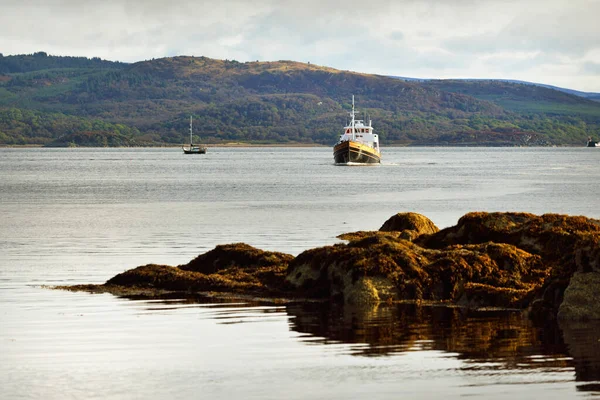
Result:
487,343
483,340
390,329
583,344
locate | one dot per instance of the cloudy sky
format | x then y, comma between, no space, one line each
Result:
555,42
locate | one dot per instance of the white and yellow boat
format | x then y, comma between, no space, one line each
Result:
358,144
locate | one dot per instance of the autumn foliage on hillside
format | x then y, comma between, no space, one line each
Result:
46,100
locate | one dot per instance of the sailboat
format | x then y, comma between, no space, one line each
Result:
193,149
358,144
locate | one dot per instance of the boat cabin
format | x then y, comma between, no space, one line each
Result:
360,132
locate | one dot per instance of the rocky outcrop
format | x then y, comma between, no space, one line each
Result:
233,268
507,260
409,221
236,255
387,268
406,226
566,244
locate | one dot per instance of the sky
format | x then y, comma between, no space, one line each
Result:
555,42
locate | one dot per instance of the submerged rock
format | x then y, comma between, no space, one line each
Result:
506,260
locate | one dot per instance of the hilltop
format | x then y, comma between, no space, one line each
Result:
588,95
61,101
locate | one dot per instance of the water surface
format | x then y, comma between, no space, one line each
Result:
84,215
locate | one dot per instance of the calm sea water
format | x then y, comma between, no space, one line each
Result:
83,215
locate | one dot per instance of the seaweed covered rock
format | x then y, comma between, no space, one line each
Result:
548,264
408,226
233,268
567,244
554,236
236,255
154,277
581,298
409,221
380,268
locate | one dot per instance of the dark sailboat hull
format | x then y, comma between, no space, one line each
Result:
194,150
356,153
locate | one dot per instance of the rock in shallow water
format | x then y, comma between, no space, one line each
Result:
509,260
390,269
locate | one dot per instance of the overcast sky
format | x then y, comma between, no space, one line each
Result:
555,42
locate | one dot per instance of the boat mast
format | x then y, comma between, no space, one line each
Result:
353,130
191,131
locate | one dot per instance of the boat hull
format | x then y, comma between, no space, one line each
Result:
201,150
354,152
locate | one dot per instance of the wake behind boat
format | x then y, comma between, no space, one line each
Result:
358,144
193,149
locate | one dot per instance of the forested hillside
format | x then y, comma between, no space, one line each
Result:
60,101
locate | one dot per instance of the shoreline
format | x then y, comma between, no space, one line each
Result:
241,145
278,145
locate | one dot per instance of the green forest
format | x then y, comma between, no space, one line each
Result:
75,101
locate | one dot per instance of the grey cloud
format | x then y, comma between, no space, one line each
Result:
423,38
574,30
591,68
396,36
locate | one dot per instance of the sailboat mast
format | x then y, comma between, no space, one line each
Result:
191,130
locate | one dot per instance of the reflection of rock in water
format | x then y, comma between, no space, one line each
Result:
505,337
583,342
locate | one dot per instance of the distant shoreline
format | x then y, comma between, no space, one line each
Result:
279,145
23,146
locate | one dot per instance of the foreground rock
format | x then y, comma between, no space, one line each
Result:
387,268
566,245
232,268
404,225
548,264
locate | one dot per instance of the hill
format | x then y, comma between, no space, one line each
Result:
68,100
42,61
522,98
588,95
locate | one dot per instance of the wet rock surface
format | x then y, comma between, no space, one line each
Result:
500,260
